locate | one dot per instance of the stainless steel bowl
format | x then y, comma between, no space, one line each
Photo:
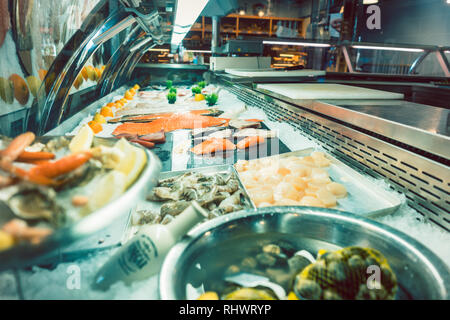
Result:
420,273
24,255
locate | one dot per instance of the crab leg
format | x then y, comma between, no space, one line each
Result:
16,147
61,166
31,176
33,156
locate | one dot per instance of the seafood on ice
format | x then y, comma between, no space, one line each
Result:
219,193
278,181
171,122
280,270
43,186
213,145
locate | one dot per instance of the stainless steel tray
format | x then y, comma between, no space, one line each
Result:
364,197
24,255
131,228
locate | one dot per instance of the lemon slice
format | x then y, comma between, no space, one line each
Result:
83,140
110,186
133,162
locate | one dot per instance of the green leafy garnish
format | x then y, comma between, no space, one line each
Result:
172,97
211,99
169,84
196,90
202,84
172,90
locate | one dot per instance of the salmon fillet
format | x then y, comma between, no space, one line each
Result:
213,145
171,122
249,141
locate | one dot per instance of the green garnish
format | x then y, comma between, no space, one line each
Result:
169,84
202,84
211,99
172,90
196,90
172,97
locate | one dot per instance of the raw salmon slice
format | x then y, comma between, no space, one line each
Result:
213,145
249,141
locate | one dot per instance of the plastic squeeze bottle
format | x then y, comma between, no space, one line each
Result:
143,255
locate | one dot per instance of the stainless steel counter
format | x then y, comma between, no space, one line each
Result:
418,125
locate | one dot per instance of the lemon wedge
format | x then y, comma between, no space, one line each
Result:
110,187
133,162
99,118
83,140
6,240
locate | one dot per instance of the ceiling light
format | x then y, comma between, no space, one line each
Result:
199,51
166,50
241,12
371,1
388,48
260,13
303,44
187,11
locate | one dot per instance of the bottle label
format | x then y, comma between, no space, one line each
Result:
138,255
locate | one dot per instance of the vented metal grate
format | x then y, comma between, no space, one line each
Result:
424,182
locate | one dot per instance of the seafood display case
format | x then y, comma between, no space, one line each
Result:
265,148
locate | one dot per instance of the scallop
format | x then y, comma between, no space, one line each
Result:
299,169
320,160
260,195
271,181
319,174
285,190
266,173
328,199
253,165
283,171
311,191
337,189
298,183
311,201
308,160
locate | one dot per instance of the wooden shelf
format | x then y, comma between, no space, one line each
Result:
238,30
233,15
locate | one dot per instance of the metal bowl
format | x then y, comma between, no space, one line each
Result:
26,254
420,273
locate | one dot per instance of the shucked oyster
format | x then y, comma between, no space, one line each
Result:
32,202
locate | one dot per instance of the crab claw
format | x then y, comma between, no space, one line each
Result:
61,166
31,176
16,147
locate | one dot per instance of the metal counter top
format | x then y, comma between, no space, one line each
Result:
421,126
241,79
